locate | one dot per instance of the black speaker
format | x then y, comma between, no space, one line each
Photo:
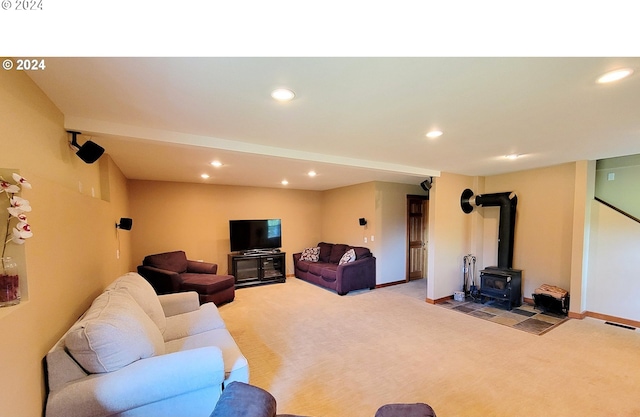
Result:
90,152
426,184
362,221
125,223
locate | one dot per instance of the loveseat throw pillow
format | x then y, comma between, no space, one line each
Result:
349,256
113,333
310,254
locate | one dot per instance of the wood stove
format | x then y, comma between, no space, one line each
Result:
503,284
500,282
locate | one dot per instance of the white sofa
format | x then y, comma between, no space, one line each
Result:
134,353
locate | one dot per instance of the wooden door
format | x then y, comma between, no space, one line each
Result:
417,207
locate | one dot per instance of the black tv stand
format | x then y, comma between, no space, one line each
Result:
251,269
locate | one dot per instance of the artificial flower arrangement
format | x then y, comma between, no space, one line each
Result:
18,206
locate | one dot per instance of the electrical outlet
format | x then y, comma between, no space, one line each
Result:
365,240
372,238
117,253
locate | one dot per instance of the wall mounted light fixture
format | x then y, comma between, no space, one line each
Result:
90,152
125,223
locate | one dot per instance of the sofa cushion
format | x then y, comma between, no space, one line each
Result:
171,261
325,251
349,256
336,252
361,252
329,272
316,268
236,367
113,333
310,254
143,294
303,265
206,318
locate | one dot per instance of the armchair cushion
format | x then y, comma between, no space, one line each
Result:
113,333
175,261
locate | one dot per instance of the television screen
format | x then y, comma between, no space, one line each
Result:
254,234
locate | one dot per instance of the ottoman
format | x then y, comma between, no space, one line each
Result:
218,289
405,410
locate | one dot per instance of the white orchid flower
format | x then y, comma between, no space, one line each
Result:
8,187
23,230
18,206
21,180
16,238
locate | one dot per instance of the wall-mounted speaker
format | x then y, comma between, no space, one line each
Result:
125,223
362,221
426,184
89,152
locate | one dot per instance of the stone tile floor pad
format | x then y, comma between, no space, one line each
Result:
524,317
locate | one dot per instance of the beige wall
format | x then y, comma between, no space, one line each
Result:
341,209
450,236
195,218
391,240
623,189
613,285
71,256
544,224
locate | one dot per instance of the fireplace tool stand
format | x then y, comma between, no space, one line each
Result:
469,283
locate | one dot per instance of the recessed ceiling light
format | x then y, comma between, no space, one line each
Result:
615,75
204,176
434,134
284,182
512,156
283,94
312,173
216,164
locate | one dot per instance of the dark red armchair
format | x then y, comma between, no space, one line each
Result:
172,272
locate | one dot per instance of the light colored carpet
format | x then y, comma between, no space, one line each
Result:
323,355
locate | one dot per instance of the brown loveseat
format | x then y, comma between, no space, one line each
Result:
356,274
171,272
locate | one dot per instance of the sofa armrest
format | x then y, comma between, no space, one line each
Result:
143,382
179,303
197,267
358,274
162,280
296,257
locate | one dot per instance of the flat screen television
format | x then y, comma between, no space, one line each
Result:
248,235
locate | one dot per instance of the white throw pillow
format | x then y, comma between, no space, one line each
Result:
143,294
310,254
113,333
349,256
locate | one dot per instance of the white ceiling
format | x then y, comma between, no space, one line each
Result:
353,119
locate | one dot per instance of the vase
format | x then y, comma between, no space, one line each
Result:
9,282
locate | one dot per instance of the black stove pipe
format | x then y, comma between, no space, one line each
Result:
506,229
